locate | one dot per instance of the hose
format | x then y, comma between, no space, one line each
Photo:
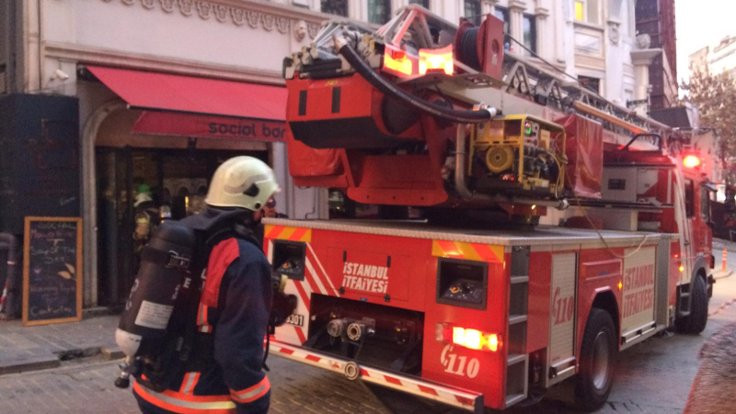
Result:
435,110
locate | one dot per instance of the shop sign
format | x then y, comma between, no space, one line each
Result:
208,126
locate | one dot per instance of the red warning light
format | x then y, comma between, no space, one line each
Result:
691,161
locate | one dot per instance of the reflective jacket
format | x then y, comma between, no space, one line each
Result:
226,375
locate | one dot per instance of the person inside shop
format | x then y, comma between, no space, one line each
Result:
146,217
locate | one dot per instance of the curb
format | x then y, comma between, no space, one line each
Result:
69,354
722,275
28,363
111,352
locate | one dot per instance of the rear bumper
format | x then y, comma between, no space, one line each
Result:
456,397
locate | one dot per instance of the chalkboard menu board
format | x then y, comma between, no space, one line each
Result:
52,270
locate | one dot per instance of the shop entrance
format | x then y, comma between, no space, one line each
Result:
135,184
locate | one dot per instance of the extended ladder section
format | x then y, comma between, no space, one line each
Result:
545,87
517,360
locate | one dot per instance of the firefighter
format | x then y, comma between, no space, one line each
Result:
146,217
269,210
225,371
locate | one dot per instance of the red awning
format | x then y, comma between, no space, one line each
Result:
163,91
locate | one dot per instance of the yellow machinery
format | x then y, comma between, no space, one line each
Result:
518,154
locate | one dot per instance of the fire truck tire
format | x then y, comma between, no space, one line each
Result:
597,358
698,318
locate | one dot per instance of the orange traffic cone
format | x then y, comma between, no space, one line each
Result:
724,258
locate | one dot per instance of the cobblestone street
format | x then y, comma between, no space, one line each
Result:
86,386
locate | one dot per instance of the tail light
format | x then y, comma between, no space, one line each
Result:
468,338
436,60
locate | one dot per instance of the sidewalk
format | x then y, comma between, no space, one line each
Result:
714,387
38,347
720,244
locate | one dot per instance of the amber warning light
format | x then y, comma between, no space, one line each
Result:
436,60
397,62
691,161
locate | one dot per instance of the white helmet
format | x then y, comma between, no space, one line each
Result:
244,182
142,198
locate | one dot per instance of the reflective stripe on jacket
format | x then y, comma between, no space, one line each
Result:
176,402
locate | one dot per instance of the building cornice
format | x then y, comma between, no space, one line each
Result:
267,16
139,61
644,57
519,5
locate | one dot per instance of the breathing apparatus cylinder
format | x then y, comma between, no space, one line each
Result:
165,270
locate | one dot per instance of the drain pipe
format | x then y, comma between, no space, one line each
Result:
461,187
9,291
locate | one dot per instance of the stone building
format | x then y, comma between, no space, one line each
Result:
655,21
716,59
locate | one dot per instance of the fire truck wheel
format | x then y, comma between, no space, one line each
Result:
596,361
696,321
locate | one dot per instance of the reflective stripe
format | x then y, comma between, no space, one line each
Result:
224,253
201,314
189,382
252,393
185,404
202,324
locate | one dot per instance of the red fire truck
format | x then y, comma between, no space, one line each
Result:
475,304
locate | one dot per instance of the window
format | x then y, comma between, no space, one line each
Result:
689,208
338,7
705,203
472,11
530,32
379,11
590,83
580,10
502,13
587,11
423,3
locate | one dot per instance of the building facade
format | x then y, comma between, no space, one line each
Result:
715,59
655,21
154,94
162,92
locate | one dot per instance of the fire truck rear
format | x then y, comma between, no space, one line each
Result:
474,304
